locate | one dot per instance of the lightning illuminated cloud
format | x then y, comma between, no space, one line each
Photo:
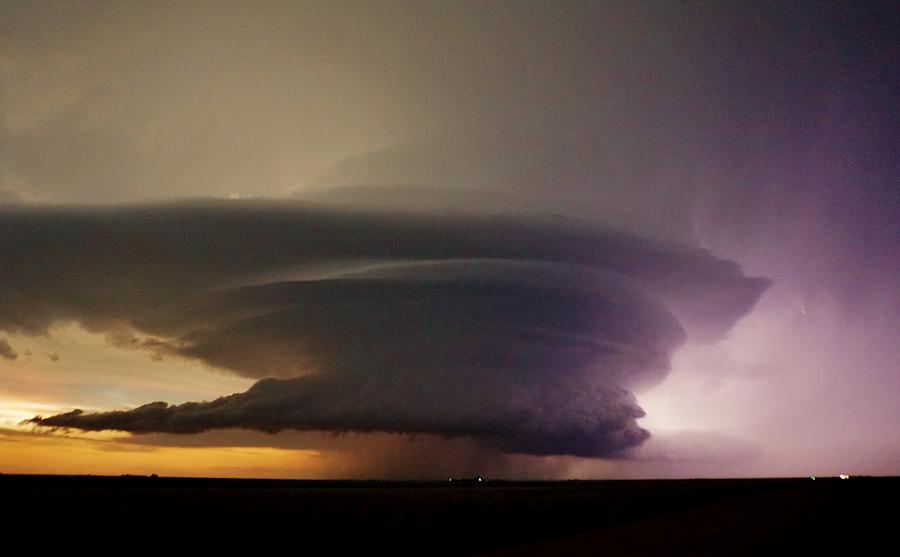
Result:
527,334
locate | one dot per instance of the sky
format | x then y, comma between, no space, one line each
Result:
429,239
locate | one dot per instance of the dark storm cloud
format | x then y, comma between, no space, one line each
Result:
108,264
6,351
579,419
525,333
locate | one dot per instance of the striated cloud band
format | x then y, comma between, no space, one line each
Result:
526,333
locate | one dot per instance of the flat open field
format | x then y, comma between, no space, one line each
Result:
714,517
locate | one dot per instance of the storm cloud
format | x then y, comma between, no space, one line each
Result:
526,333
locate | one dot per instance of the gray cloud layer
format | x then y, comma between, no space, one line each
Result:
527,334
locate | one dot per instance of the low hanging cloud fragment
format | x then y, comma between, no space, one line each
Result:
6,351
526,334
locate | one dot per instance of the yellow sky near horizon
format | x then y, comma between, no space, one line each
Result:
71,367
79,454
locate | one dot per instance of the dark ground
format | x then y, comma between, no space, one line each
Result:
709,517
